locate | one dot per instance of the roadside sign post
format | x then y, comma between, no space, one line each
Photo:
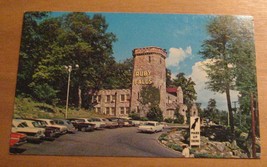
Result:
194,131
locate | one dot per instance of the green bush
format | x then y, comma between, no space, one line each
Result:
175,147
163,136
205,155
143,119
134,116
168,120
155,114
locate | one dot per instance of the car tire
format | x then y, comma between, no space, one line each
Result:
83,129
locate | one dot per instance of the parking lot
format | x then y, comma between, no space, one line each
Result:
124,141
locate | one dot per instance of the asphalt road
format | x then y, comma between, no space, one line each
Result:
108,142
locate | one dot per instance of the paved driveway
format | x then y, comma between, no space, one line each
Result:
107,142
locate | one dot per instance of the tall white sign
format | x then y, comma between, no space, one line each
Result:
194,131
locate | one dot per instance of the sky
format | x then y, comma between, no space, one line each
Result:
181,36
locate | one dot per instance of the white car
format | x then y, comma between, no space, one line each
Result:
50,123
20,126
97,125
150,126
108,123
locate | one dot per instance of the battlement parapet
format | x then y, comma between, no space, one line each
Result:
150,50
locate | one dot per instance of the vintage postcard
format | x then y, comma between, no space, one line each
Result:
136,85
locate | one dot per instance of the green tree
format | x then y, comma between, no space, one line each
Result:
76,39
169,82
187,86
45,93
30,51
211,112
149,95
121,78
155,114
227,48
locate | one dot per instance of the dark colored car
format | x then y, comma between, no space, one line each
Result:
81,125
67,123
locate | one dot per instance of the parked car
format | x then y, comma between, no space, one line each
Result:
51,123
135,122
49,131
97,125
121,121
50,134
81,125
67,123
108,123
150,126
17,139
33,134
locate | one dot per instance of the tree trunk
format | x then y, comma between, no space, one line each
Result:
79,97
231,116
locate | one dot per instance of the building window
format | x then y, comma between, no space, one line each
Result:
127,110
108,98
160,61
149,59
98,110
122,110
127,97
113,98
123,98
98,99
113,111
107,111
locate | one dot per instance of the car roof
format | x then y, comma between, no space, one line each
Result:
152,122
45,119
16,122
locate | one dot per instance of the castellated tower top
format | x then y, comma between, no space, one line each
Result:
150,50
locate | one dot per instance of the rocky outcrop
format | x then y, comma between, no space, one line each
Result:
207,149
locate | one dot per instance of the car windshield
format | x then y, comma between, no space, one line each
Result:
52,122
43,123
96,119
35,124
80,120
68,122
149,124
59,122
22,125
105,120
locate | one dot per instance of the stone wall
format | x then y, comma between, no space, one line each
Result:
115,102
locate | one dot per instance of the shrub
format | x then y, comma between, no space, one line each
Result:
168,120
155,114
134,116
163,136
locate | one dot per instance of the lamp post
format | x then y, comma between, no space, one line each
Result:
69,69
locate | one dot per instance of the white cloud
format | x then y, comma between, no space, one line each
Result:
177,55
199,76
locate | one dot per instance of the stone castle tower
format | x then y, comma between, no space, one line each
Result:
149,69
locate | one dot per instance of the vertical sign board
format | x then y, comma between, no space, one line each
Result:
194,131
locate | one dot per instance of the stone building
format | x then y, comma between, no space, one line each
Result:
115,102
149,69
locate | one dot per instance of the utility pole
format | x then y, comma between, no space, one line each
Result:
69,69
